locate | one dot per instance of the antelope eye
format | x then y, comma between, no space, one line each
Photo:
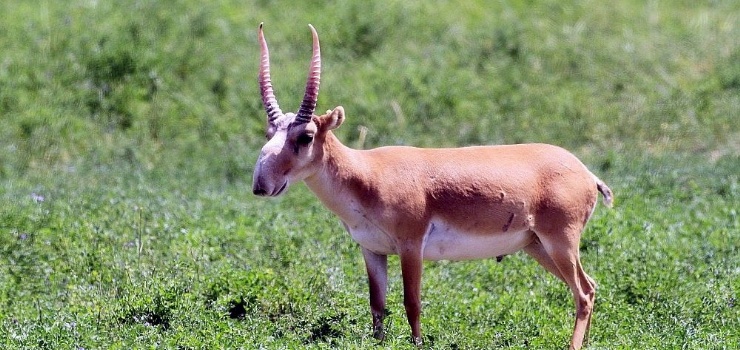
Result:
304,139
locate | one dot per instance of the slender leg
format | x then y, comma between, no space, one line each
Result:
377,276
588,284
411,269
538,252
564,254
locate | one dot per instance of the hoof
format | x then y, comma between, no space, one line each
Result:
417,341
379,334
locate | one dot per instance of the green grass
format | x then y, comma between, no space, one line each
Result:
128,132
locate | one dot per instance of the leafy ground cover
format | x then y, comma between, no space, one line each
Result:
129,130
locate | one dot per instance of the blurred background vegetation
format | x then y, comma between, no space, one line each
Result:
168,86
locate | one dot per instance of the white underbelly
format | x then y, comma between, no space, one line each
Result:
444,242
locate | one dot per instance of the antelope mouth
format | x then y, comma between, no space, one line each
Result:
280,190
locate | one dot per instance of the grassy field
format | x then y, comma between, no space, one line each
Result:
129,129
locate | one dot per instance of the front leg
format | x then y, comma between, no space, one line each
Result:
411,270
377,276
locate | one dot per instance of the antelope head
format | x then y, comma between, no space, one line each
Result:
294,140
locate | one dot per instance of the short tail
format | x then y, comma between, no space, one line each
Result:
605,191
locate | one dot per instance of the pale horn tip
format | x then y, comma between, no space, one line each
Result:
313,30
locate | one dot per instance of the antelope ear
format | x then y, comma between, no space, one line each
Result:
331,120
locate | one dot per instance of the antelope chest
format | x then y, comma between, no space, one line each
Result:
372,237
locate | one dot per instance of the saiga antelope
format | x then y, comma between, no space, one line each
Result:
451,203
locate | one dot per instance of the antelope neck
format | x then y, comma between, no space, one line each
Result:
341,166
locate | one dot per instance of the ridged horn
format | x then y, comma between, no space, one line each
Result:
268,96
308,106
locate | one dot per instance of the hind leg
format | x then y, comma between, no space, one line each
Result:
560,256
538,252
586,280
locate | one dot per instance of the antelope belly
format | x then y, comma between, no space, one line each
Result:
445,242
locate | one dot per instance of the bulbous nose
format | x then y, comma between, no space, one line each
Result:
258,190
